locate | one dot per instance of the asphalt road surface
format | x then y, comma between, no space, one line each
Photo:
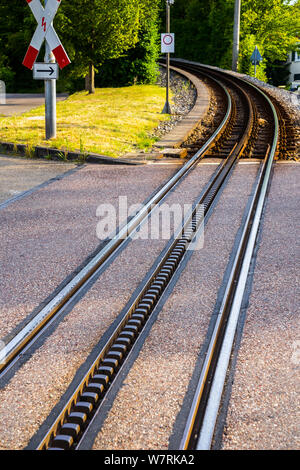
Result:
18,175
20,103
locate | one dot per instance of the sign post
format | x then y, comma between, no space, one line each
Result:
54,50
167,46
50,98
255,59
45,71
236,35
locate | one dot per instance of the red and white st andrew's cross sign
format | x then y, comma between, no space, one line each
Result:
45,30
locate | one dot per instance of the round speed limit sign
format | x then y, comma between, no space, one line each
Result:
167,42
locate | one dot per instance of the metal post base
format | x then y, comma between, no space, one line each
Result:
167,108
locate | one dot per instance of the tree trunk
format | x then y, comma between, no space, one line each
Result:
90,79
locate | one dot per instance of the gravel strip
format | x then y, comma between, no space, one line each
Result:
143,416
184,97
290,100
36,388
263,411
45,236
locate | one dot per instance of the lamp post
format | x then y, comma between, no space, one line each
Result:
167,107
236,34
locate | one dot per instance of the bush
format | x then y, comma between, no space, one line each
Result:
139,65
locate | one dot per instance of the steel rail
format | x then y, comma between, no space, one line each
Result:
90,393
36,324
199,432
166,267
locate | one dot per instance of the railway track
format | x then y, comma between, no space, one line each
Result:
29,333
238,135
287,132
199,430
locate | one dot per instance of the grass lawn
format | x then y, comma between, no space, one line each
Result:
111,122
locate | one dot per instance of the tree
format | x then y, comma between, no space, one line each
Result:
273,26
203,30
97,30
277,72
138,64
17,25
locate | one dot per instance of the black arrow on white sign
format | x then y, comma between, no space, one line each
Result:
45,71
50,70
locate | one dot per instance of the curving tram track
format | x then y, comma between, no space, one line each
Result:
238,135
199,430
29,333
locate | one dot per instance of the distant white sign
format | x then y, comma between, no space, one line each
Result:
2,92
44,71
167,43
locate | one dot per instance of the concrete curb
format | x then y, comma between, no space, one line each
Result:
56,154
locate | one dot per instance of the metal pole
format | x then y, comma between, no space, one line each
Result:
167,107
50,98
236,34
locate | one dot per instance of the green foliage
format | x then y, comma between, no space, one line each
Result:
121,38
273,23
139,64
113,121
6,73
16,28
272,26
278,73
94,31
247,47
203,30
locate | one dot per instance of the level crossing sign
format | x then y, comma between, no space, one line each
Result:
45,31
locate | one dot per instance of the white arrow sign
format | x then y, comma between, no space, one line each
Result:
45,30
43,71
